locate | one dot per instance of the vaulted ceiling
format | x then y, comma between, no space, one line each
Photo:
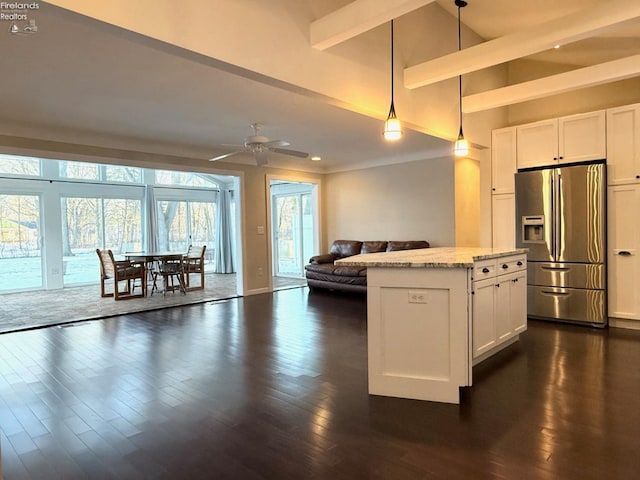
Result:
184,78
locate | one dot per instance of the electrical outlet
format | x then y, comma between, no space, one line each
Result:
259,271
418,297
260,230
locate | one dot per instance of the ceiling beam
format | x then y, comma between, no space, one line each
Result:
580,78
356,18
570,28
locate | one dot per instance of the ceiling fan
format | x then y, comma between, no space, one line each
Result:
260,146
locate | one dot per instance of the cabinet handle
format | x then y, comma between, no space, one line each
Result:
555,158
514,280
505,266
485,270
624,253
519,263
637,176
495,189
561,158
497,285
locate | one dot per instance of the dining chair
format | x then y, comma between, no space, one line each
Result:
193,262
121,271
170,268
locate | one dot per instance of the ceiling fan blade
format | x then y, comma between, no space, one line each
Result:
220,157
293,153
261,158
276,143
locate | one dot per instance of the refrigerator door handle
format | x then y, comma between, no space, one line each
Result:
561,269
547,292
558,217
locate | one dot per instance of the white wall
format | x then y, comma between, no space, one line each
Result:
409,201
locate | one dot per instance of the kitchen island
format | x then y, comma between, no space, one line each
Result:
434,313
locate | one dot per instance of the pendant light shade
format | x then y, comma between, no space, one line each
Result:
392,128
461,147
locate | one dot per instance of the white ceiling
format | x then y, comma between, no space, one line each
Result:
75,75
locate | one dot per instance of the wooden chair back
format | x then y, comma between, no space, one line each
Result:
193,262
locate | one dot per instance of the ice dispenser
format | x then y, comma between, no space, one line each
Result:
533,229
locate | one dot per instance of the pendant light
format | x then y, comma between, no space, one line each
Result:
461,147
392,130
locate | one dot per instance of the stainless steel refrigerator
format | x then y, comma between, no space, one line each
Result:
560,218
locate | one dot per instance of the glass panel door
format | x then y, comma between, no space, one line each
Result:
90,223
20,253
184,223
293,233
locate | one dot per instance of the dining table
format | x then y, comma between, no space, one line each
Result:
148,258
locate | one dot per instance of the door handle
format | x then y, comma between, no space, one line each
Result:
561,269
547,292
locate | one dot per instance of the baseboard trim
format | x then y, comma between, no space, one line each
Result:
624,323
257,291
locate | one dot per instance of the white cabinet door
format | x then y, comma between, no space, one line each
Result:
502,308
518,302
503,160
503,220
537,144
624,246
582,137
484,327
575,138
623,145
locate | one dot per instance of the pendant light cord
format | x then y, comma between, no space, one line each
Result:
460,76
392,106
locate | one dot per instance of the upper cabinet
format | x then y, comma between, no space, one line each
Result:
503,160
537,144
576,138
623,145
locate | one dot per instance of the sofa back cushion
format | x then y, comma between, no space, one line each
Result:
408,245
373,246
345,248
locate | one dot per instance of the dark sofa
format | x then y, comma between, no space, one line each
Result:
322,273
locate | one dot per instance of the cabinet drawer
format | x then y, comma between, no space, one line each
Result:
511,264
484,269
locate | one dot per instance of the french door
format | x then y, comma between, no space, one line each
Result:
293,233
20,242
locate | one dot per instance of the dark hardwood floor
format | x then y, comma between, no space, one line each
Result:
275,386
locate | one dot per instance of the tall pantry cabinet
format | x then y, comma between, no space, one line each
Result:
503,169
623,178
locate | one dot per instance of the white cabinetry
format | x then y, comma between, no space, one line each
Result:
503,220
623,145
503,160
499,304
503,169
575,138
624,262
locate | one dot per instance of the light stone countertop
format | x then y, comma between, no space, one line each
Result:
441,257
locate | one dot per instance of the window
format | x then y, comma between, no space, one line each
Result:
20,254
13,165
90,223
184,179
184,223
96,172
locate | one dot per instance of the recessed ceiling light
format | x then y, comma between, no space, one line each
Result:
556,46
316,159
